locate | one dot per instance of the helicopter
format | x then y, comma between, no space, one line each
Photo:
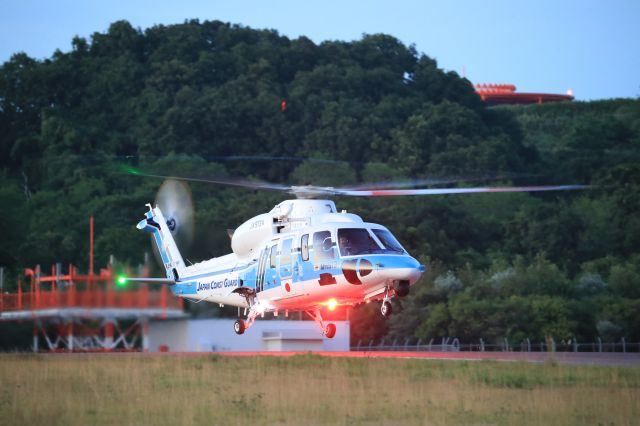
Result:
302,255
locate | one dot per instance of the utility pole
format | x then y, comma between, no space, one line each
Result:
1,285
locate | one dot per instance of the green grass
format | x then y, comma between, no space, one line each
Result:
309,389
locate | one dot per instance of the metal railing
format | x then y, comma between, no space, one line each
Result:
139,298
449,344
88,291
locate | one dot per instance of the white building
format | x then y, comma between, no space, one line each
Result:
206,335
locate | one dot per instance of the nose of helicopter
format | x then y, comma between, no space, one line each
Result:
390,268
400,268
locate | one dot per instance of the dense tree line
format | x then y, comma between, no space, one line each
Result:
214,99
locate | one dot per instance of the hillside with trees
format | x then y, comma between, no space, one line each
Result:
213,99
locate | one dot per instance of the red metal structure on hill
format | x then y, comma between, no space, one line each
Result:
87,312
506,94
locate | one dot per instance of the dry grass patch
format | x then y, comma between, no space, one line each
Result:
309,389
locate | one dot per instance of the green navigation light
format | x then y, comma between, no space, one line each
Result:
121,281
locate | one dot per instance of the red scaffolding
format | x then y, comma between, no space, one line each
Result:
87,312
76,312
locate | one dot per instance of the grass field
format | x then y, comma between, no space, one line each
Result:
309,389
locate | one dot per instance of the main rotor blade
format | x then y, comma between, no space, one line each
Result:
400,184
311,191
413,183
442,191
220,181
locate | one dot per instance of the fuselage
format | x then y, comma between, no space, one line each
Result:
308,260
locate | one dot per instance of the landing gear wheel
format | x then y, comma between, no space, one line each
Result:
239,326
330,330
385,309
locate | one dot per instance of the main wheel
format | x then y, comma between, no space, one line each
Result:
239,326
385,309
330,330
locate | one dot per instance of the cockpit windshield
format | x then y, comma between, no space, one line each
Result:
357,241
354,241
389,241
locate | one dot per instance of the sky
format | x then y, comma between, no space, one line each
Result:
590,47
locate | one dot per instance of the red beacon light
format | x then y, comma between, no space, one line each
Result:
331,304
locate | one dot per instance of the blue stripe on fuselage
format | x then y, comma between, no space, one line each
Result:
311,270
389,261
181,288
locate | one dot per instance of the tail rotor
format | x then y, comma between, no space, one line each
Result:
175,200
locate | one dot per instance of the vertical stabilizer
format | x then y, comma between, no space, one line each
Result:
156,224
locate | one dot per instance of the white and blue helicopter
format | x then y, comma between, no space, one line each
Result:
303,255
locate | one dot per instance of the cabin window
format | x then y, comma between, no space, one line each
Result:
285,255
272,257
323,246
304,246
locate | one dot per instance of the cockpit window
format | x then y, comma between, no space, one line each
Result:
389,241
353,241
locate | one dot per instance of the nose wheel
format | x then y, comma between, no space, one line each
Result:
385,309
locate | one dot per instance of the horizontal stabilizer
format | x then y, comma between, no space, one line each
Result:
151,280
